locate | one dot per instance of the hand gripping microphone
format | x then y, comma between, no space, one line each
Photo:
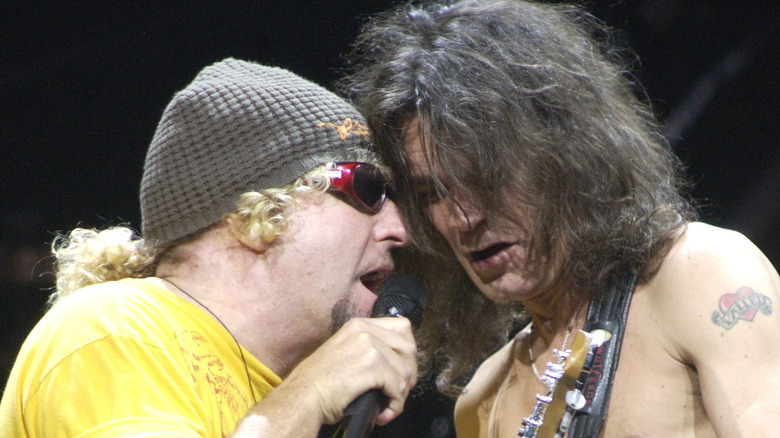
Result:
403,295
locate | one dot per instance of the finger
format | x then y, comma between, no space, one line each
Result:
386,328
399,371
395,333
366,354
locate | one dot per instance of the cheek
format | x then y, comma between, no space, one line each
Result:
436,214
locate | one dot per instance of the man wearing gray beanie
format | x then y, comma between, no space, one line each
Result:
241,311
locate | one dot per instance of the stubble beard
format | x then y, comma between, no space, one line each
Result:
342,311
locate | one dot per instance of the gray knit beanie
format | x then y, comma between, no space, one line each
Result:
238,127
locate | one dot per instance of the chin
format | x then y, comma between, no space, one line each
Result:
344,310
505,289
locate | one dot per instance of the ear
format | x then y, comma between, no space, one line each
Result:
238,232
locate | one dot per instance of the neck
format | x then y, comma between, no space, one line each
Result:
238,346
266,331
556,330
554,314
240,288
243,319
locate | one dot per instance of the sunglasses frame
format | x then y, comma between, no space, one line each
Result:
344,183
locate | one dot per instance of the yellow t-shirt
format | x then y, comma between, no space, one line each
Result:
129,358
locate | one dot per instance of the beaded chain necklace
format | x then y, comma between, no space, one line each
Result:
569,329
550,378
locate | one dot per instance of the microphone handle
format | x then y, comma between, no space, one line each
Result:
402,296
360,415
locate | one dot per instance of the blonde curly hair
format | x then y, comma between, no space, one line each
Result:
89,256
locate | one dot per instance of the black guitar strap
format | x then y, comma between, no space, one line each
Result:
607,313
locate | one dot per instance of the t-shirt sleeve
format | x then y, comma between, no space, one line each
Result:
118,386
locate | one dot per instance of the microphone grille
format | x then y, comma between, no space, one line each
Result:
403,295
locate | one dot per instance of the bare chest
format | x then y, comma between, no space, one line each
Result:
649,399
654,395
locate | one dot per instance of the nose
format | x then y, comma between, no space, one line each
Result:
390,227
458,213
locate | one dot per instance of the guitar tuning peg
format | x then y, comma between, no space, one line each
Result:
599,337
575,400
565,423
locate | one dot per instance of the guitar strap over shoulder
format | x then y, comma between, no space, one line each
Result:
609,313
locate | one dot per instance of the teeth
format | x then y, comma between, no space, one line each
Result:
373,280
372,277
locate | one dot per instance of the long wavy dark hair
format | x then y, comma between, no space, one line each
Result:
531,113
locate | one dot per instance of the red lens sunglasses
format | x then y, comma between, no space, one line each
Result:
364,185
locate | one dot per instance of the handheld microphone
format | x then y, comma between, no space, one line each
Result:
403,295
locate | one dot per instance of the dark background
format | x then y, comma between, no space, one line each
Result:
82,85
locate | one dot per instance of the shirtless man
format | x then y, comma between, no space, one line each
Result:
524,158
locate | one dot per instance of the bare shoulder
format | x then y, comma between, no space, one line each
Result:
701,242
705,332
707,258
713,280
714,303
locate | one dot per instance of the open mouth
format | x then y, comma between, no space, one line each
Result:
375,280
488,252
